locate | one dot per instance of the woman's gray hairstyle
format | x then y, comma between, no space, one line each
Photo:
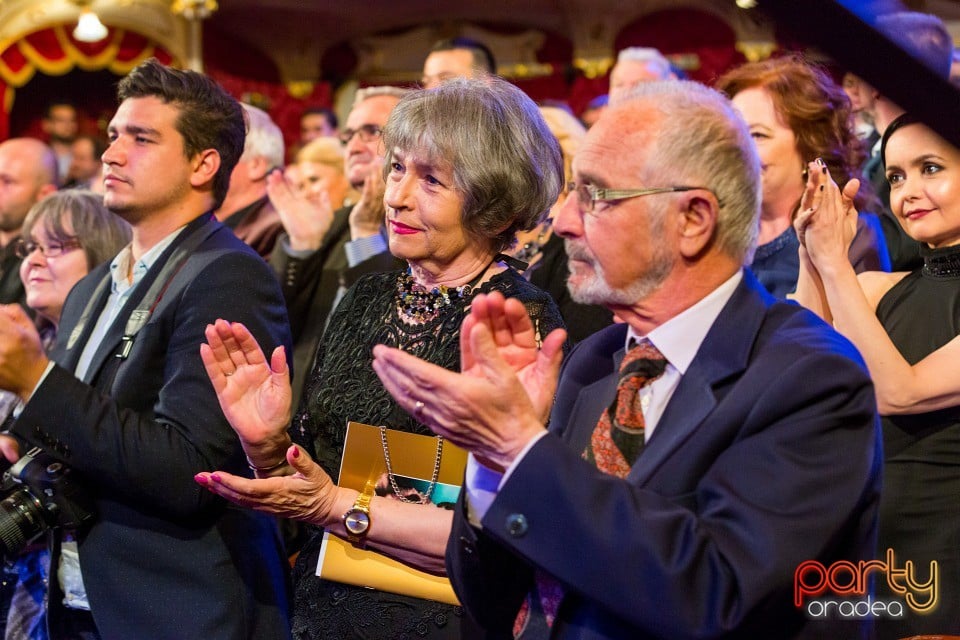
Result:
505,161
101,233
703,141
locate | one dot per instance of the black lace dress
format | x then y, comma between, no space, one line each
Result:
342,387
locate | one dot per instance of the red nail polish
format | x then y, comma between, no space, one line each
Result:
296,453
200,478
215,477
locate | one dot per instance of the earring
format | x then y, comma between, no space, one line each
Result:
805,174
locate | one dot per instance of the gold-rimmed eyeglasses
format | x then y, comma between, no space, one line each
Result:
588,195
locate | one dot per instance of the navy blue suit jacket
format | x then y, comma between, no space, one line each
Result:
767,455
165,558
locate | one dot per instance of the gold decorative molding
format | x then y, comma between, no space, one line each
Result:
151,18
755,50
594,67
193,9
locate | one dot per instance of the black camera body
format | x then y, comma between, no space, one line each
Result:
39,495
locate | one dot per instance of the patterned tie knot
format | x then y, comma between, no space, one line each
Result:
643,360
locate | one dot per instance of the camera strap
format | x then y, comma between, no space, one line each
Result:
138,317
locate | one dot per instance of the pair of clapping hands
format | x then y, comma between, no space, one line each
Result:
826,221
493,407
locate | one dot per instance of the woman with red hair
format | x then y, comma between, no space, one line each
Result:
796,112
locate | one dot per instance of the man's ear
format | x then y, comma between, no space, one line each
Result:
698,222
205,167
258,168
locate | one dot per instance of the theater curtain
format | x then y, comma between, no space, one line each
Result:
54,51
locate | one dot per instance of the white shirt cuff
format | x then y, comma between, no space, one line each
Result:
483,483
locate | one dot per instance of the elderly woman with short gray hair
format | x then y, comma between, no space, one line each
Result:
468,164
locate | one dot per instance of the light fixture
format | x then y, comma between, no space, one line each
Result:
89,28
746,4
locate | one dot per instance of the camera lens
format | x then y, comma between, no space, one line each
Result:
21,520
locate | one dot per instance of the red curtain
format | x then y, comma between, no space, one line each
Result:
54,52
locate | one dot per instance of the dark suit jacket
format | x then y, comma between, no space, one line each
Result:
310,286
258,224
165,558
767,455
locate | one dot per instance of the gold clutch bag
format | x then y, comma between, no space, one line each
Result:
406,466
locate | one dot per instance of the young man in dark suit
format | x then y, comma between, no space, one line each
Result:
125,403
697,453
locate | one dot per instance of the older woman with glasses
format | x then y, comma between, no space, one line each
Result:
64,236
468,164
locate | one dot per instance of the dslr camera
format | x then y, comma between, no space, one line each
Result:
39,495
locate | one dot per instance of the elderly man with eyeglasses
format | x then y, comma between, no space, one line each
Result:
321,250
698,453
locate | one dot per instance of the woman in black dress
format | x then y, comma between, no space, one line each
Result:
468,164
906,325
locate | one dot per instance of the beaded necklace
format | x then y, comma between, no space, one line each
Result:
418,305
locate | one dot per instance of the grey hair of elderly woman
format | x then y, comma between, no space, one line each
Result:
506,163
101,233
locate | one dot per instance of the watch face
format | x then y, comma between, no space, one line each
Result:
356,522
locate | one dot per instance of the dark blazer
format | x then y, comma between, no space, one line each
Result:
258,224
310,286
767,455
165,558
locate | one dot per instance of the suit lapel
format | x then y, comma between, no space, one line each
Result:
724,353
70,345
110,343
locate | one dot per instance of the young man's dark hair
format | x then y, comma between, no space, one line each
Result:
209,118
330,116
482,56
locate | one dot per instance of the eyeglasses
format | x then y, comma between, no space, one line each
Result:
367,133
588,195
24,248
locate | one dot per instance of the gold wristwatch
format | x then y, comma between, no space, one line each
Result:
357,518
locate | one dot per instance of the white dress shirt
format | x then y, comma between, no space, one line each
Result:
678,339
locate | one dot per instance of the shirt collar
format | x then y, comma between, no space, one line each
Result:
680,337
120,266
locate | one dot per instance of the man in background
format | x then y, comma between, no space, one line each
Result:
60,125
85,165
322,250
246,209
456,58
635,65
28,173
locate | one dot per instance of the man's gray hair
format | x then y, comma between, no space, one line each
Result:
702,141
505,161
264,138
649,56
372,92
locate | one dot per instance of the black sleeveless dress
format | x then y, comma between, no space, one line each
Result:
920,501
343,386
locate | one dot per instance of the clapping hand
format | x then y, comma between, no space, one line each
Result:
255,395
308,495
367,216
500,400
826,222
306,221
